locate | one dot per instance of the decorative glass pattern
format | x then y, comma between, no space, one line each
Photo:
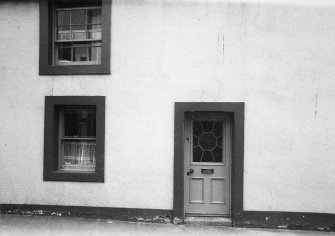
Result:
207,141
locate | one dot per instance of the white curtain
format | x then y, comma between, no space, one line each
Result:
79,152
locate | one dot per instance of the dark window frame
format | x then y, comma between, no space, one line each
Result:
51,132
237,110
46,60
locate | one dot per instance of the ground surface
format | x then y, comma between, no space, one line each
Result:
53,225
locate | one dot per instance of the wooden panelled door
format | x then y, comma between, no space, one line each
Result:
207,163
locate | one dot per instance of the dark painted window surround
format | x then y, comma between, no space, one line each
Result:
51,130
237,110
46,66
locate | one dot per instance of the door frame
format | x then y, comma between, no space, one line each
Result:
237,110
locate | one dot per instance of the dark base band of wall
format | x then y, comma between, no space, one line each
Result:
129,214
288,220
248,219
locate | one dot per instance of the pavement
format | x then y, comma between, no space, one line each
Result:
52,225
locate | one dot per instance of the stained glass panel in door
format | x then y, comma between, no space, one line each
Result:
207,141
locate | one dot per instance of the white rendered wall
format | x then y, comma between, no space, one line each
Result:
278,59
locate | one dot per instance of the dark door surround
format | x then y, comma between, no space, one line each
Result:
237,110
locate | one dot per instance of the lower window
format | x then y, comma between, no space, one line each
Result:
74,138
77,139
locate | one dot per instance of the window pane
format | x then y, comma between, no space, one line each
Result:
207,157
94,16
78,17
79,32
63,32
63,18
197,128
95,54
94,31
78,139
79,123
208,126
64,54
63,35
78,155
79,35
80,54
197,154
94,34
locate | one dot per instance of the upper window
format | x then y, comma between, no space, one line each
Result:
75,36
74,138
78,36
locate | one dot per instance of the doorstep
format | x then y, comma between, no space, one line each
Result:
214,221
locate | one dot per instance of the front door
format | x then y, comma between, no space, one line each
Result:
207,163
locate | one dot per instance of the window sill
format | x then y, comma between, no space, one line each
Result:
75,69
73,172
73,176
79,63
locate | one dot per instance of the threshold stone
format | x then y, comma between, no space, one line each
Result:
215,221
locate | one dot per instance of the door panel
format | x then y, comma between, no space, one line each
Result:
217,190
197,190
207,162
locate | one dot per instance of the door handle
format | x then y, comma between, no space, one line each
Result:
190,172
